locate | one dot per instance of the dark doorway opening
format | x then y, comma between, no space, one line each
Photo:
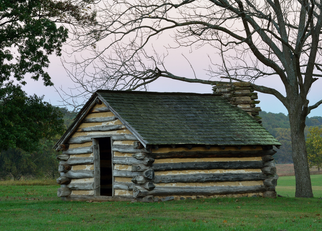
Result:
105,166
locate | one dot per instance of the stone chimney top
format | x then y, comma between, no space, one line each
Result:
240,94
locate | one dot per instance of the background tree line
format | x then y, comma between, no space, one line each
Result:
15,162
41,162
278,125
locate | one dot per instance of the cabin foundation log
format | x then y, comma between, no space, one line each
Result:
269,194
164,191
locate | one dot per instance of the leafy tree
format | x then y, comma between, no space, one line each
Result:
253,38
314,147
28,35
25,120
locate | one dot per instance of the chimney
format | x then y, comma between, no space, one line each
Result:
240,94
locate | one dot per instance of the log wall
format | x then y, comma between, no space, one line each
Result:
161,173
77,162
209,172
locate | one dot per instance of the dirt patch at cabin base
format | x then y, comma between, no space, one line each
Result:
288,170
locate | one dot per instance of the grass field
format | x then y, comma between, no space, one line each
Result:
33,206
286,186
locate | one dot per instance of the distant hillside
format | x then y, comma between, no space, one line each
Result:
278,125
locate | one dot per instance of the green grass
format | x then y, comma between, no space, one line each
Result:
286,186
36,207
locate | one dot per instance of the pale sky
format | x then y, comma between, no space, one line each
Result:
268,103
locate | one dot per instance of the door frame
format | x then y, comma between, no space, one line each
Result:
97,166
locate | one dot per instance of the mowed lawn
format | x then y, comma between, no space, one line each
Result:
286,186
36,207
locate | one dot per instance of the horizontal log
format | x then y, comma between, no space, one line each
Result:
199,154
84,139
62,157
79,174
123,186
125,173
63,191
208,165
81,160
217,177
81,186
131,160
82,150
164,191
63,180
127,148
102,128
100,109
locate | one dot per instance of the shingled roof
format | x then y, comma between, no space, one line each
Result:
184,118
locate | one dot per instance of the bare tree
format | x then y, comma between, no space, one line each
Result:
254,38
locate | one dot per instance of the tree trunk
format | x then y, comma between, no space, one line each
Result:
299,154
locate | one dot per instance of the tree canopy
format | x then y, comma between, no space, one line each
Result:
314,147
30,31
252,39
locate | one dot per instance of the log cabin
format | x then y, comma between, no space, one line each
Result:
148,146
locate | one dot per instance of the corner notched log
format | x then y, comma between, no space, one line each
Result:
64,167
139,167
149,174
63,191
139,180
63,180
62,157
271,183
139,156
